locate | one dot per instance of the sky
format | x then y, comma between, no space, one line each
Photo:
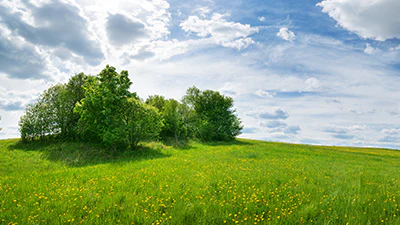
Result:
323,72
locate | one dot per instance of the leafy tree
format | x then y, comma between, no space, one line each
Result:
101,109
45,117
173,119
110,114
156,101
214,118
141,122
74,93
172,116
53,113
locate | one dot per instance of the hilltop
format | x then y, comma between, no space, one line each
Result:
242,181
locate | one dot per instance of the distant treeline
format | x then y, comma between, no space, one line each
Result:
102,109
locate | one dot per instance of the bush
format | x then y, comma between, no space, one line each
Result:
111,115
174,127
213,117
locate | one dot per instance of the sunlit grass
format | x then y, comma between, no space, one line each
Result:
242,182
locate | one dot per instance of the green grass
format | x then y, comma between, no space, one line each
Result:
246,182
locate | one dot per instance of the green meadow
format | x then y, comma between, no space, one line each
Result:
240,182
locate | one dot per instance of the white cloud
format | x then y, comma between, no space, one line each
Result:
370,50
395,48
203,11
122,30
269,114
312,84
262,93
390,135
273,124
286,34
221,31
374,19
261,18
340,132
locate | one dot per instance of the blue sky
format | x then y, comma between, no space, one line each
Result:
321,72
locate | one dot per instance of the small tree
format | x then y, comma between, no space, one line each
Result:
45,117
53,113
74,93
215,117
101,109
141,122
172,117
156,101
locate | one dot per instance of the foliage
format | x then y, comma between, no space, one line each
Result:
214,118
240,182
141,122
156,101
173,117
46,116
110,114
73,95
101,109
53,113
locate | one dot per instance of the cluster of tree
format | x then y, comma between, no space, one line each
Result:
102,109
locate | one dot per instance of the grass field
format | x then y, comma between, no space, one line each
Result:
244,182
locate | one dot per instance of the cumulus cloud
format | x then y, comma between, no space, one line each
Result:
312,84
122,30
261,18
277,114
372,19
221,31
286,34
270,115
12,105
370,50
15,101
279,127
360,111
390,135
249,130
202,11
339,132
21,60
264,94
52,25
292,130
273,124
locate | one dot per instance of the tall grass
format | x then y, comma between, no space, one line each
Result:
245,182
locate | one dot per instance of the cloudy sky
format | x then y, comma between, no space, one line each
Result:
318,72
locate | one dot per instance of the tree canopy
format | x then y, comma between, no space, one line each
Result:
102,109
214,116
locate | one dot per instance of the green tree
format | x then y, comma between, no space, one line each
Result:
141,122
156,101
173,121
45,117
74,93
101,109
214,118
171,112
112,115
53,112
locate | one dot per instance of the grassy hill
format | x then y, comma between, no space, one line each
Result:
245,182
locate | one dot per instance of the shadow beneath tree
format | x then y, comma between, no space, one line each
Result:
227,143
76,154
